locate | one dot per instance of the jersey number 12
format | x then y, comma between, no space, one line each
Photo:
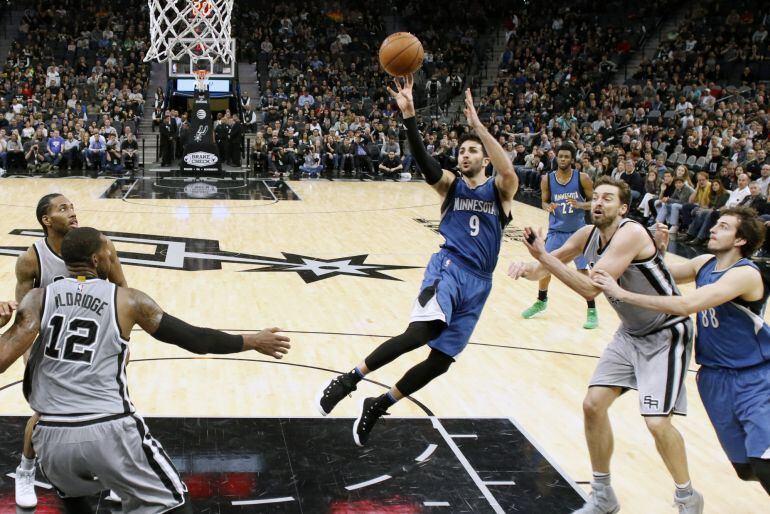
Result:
81,336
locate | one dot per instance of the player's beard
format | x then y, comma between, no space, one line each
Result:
471,171
603,221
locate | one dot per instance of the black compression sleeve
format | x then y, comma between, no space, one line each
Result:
428,165
196,339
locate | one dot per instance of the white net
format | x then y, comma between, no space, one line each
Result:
199,29
201,80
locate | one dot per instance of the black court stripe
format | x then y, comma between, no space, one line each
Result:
164,478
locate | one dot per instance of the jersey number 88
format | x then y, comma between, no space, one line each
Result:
708,318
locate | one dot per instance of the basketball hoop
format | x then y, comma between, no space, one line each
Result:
181,28
201,79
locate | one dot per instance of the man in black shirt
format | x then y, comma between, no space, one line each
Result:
635,182
391,166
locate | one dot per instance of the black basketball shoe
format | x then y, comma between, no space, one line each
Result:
372,409
331,394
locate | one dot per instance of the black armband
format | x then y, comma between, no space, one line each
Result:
196,339
428,165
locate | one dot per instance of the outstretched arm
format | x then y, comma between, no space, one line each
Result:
627,243
681,272
507,181
437,178
566,253
135,307
737,282
21,335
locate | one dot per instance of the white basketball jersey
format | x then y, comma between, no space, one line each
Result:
50,264
80,371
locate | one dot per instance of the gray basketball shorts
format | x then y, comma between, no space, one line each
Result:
119,454
655,365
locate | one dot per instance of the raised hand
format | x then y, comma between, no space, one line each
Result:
267,342
661,237
471,116
534,242
403,94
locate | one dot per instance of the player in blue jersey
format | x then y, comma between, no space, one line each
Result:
733,341
565,194
458,277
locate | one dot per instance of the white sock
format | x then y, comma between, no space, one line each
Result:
602,478
684,490
27,464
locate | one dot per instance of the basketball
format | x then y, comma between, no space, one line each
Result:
401,54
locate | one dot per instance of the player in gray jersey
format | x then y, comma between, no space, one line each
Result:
40,266
649,352
89,437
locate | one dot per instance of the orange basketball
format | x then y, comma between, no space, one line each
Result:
401,54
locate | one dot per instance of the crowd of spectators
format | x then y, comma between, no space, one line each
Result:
718,42
72,87
687,143
320,78
689,132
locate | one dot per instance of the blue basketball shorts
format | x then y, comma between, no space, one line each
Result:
454,294
555,240
738,404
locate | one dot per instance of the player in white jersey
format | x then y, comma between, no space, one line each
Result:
40,266
76,380
649,352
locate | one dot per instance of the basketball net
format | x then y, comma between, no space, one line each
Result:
201,79
179,27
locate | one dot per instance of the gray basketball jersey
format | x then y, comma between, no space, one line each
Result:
649,276
51,266
80,372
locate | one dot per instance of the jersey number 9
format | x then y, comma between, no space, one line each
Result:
475,225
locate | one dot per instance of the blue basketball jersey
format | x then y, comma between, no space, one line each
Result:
472,223
565,218
732,335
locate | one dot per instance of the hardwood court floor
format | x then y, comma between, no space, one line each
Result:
337,310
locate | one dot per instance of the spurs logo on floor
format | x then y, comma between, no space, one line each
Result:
510,233
181,253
